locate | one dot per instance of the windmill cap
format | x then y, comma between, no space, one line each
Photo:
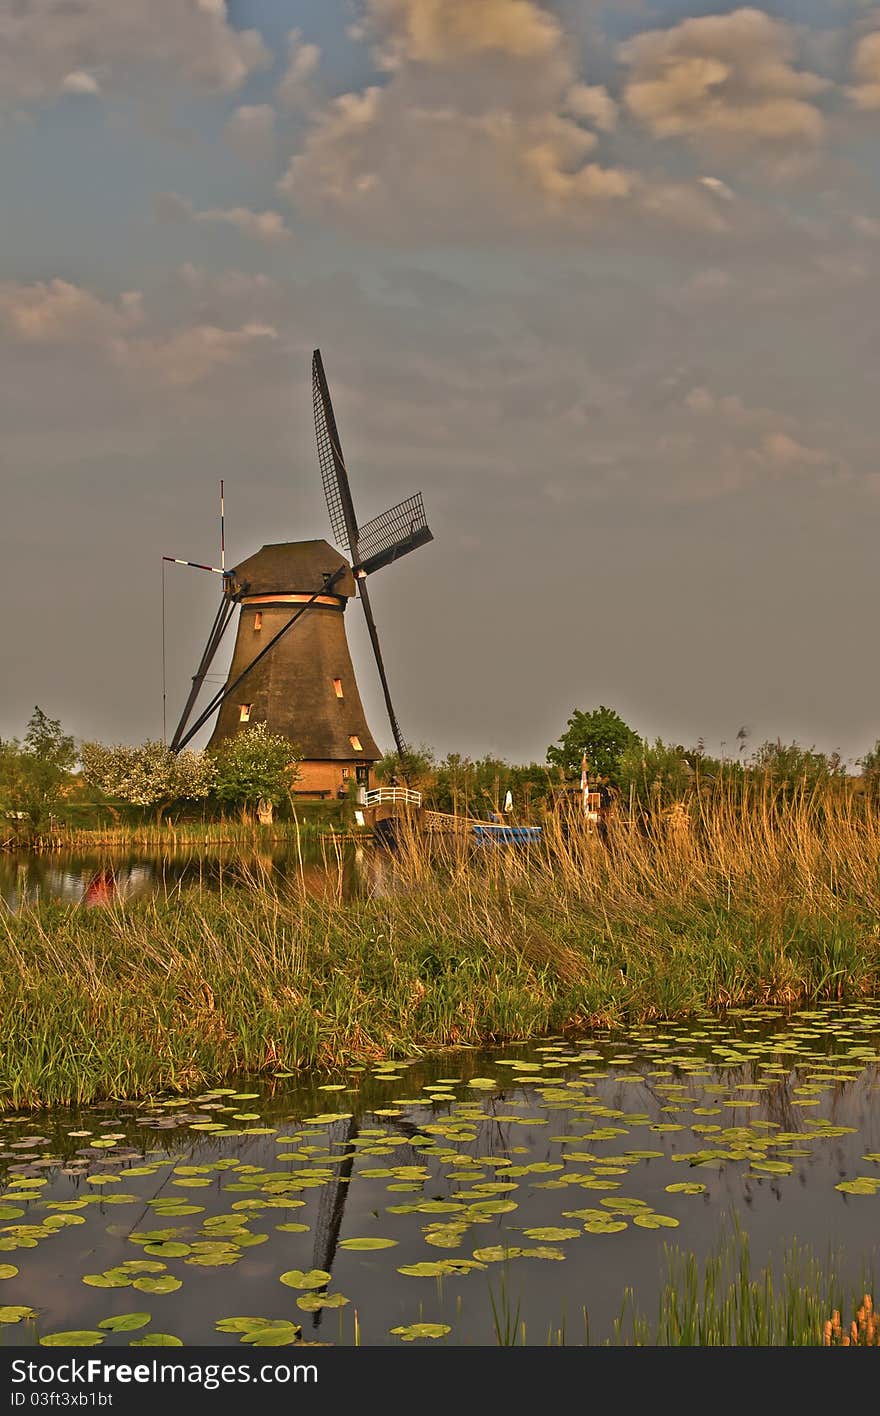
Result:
294,567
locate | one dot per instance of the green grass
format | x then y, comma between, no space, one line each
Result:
750,904
724,1303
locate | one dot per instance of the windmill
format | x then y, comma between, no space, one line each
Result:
291,667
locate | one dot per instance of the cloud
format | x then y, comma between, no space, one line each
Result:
189,356
865,92
723,81
437,31
295,89
265,226
44,45
251,131
59,312
56,315
483,126
80,82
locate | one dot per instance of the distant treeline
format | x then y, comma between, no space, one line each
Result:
49,782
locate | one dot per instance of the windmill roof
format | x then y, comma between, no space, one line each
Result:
291,567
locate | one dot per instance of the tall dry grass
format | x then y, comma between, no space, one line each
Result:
726,902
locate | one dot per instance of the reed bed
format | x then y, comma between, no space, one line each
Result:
722,1301
726,902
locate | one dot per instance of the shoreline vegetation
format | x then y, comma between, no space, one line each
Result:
752,898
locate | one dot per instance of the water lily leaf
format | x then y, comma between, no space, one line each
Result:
167,1248
276,1336
292,1228
166,1283
773,1167
126,1322
106,1280
298,1278
552,1233
374,1243
686,1187
312,1302
655,1221
72,1339
862,1185
426,1269
417,1330
496,1253
15,1313
605,1226
8,1270
156,1339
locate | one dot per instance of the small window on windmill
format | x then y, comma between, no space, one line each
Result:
258,620
337,688
356,743
244,712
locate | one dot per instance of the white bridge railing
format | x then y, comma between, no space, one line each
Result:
381,795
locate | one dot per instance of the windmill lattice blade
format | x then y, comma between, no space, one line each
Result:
393,534
333,473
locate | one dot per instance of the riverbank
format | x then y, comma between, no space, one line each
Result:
729,907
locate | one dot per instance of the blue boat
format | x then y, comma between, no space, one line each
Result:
488,832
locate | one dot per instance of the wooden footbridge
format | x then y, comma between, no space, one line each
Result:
389,810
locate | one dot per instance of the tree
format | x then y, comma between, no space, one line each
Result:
602,735
255,769
33,774
870,765
655,774
415,767
149,775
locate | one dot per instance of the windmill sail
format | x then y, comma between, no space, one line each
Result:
393,534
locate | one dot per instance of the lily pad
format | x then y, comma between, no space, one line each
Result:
166,1283
157,1339
374,1243
83,1338
417,1330
312,1302
298,1278
126,1322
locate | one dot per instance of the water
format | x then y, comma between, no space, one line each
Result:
99,877
456,1158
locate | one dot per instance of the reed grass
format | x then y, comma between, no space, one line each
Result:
733,903
723,1302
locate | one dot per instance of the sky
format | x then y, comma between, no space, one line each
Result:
598,279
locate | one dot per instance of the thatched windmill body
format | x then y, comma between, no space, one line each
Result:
291,667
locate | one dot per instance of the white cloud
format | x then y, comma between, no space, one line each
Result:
265,226
80,82
251,130
295,89
44,44
64,320
481,127
59,312
189,356
436,31
865,92
723,81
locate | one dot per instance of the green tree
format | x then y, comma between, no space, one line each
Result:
602,735
148,775
34,773
256,769
788,766
870,765
416,767
655,774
